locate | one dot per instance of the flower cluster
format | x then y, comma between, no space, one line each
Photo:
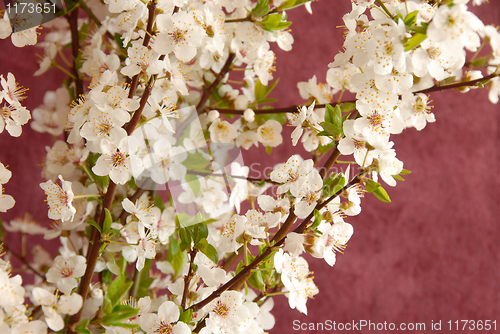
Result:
152,102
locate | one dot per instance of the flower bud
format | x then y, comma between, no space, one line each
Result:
249,115
212,115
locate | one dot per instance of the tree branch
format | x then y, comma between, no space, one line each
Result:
75,47
437,88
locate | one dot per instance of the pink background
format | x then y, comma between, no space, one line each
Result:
430,255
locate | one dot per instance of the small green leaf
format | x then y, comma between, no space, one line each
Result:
317,219
291,4
93,223
178,262
261,91
269,149
261,9
449,79
120,313
329,113
107,222
185,238
411,18
81,326
117,289
144,280
405,172
347,106
414,41
371,185
200,232
381,194
332,129
186,316
419,29
397,177
159,202
123,324
211,253
255,280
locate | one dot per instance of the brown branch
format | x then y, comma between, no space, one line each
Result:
75,47
96,244
93,254
437,88
231,259
243,274
147,37
250,179
207,92
187,279
289,109
210,89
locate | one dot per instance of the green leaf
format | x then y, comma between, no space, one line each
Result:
106,277
282,25
200,232
333,184
405,172
269,149
317,219
120,313
255,280
185,238
261,91
448,79
419,29
347,106
178,262
381,194
123,324
186,316
371,185
173,246
116,290
195,161
211,253
144,281
261,9
411,18
81,326
479,62
159,202
93,223
291,4
330,128
414,41
329,113
337,117
397,177
107,222
262,118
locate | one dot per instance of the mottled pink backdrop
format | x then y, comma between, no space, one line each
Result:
430,255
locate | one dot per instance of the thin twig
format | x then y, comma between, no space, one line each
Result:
23,260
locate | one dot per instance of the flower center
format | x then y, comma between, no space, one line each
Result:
165,328
221,309
178,35
66,272
118,159
375,119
